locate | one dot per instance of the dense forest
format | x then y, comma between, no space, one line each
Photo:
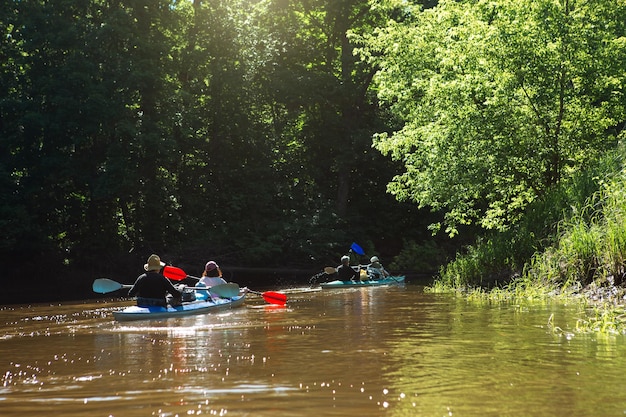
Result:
273,133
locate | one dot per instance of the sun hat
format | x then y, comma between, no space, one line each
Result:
211,265
345,258
154,263
374,259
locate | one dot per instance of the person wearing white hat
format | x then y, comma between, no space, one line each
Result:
152,288
375,269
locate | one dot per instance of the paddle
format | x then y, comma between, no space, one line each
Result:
393,278
228,290
105,285
357,249
272,297
330,271
224,290
176,274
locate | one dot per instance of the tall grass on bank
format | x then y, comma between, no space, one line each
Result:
543,235
591,246
581,256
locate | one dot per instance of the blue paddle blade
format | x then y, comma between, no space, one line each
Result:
104,285
357,249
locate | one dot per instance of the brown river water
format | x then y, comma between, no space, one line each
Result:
386,351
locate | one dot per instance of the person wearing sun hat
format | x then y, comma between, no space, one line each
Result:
153,264
152,288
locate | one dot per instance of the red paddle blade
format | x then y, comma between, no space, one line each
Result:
274,297
174,273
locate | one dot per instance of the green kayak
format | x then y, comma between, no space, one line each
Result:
391,280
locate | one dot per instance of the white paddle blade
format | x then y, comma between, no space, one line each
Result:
228,290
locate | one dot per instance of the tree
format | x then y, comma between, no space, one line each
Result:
85,111
500,101
239,129
321,87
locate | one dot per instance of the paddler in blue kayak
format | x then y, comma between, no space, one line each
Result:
152,288
211,276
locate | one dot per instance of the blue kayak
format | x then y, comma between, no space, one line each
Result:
200,306
391,280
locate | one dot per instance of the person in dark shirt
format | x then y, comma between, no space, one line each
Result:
151,288
345,272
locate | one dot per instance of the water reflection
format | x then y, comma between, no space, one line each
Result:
369,351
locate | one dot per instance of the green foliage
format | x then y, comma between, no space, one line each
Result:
584,256
425,257
236,130
487,263
590,247
500,256
500,100
604,319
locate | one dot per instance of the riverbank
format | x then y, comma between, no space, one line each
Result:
571,245
604,306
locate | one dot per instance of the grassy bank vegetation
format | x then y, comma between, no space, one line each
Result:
571,245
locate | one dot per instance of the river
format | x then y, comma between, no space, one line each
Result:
393,351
